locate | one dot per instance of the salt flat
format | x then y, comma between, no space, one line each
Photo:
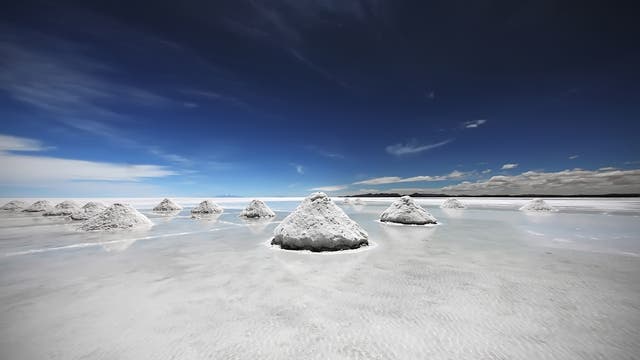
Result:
489,282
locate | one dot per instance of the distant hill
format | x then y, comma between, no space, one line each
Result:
377,195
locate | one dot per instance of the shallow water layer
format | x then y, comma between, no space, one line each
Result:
489,282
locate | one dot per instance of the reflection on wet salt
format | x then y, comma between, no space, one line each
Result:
485,284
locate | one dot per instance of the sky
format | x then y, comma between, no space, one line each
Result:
283,98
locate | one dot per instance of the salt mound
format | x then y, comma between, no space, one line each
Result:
14,205
317,224
89,209
115,217
452,204
63,209
358,202
167,205
346,201
257,209
406,211
207,207
39,206
537,205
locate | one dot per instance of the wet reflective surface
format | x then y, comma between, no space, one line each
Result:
489,282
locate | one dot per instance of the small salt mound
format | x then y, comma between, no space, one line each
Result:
406,211
14,205
207,207
89,209
452,204
64,208
317,224
257,209
358,202
537,205
39,206
346,201
167,205
116,217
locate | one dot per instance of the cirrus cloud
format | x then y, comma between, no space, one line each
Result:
413,148
396,179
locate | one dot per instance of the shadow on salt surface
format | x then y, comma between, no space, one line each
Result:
390,223
371,246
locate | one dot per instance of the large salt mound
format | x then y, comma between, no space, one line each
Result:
317,224
14,205
63,209
406,211
39,206
537,205
257,209
167,205
89,209
452,204
207,207
116,217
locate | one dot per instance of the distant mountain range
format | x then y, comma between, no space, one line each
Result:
376,195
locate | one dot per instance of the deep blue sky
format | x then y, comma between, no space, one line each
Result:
281,97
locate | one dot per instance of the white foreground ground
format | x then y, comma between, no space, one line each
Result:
490,282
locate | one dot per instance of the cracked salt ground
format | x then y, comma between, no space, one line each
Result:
485,284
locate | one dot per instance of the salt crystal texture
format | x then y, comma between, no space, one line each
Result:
406,211
207,207
39,206
167,205
452,204
317,224
14,205
116,217
64,208
89,209
257,209
537,205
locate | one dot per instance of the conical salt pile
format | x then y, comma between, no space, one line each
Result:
537,205
167,205
39,206
116,217
89,209
318,224
406,211
207,207
64,208
257,209
452,204
15,205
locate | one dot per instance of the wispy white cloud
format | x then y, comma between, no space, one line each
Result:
422,178
486,171
299,168
329,188
413,147
573,157
27,169
509,166
67,85
16,143
324,152
317,68
474,123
